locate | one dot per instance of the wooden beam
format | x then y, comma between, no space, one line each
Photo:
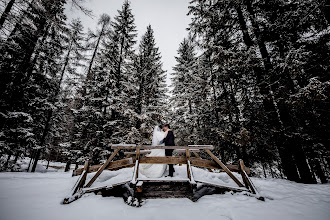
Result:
184,151
130,162
134,179
164,160
199,162
197,155
241,169
102,168
235,189
149,147
114,165
188,164
138,160
82,179
141,152
224,168
246,179
79,184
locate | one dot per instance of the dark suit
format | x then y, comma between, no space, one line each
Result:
169,141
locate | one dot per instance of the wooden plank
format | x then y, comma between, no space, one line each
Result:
241,168
224,168
198,162
102,168
82,179
138,160
246,179
197,155
79,184
235,189
164,180
93,189
188,168
184,150
134,179
164,160
141,152
124,163
114,165
149,147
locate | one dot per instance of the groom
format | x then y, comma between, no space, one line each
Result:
169,141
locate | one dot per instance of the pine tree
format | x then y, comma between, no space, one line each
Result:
29,67
150,87
117,66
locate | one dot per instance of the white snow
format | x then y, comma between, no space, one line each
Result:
38,196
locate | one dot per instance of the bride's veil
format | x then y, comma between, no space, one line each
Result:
154,136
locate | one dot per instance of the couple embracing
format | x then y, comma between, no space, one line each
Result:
162,136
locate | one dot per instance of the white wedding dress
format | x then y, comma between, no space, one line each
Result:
155,170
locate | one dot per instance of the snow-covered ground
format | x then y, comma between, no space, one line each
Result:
37,196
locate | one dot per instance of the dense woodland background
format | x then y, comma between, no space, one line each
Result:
252,78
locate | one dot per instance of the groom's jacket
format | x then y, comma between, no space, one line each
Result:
169,140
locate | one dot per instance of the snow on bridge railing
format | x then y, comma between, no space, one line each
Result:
134,146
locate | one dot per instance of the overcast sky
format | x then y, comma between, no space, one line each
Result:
168,18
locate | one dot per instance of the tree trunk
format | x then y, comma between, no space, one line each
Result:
48,160
271,170
67,166
6,13
319,172
89,75
16,157
306,176
43,139
273,113
7,161
36,160
246,37
264,169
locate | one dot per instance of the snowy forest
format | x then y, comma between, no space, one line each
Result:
252,78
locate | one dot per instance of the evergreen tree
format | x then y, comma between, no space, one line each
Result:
29,68
150,87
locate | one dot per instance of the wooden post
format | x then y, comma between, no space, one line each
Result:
246,179
224,168
241,169
138,162
82,180
102,168
188,169
79,184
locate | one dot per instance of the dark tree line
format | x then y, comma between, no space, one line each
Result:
67,94
259,87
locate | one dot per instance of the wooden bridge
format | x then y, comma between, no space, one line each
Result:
139,188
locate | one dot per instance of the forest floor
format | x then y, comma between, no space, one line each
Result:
38,196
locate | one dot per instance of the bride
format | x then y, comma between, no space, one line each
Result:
155,170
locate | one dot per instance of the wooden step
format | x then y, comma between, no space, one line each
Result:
166,190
